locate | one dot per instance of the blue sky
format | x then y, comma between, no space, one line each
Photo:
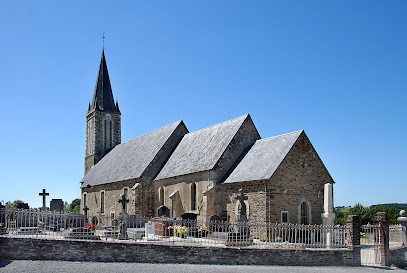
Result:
336,69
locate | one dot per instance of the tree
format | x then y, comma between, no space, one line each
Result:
74,206
341,218
13,205
76,202
362,212
392,213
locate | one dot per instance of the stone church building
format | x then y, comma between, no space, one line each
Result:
174,172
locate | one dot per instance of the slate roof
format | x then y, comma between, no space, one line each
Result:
103,95
200,150
129,160
263,158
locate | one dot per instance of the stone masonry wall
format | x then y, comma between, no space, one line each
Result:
398,256
113,193
300,178
40,249
95,149
182,201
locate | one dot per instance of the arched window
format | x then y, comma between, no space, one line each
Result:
102,202
111,133
161,194
84,200
108,132
304,214
193,196
126,194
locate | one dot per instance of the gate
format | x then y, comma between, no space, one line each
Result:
370,239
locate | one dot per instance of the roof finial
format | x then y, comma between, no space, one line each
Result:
103,37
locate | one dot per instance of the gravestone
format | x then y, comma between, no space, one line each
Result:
135,221
189,220
23,206
82,233
57,205
163,211
150,230
94,220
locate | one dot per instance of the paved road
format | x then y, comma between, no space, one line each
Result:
77,267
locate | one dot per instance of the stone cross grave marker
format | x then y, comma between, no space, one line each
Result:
123,201
241,197
242,221
123,225
85,209
44,194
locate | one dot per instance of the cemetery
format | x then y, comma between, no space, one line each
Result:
301,244
356,244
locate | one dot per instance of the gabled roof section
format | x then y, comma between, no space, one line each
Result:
264,158
201,150
130,160
103,95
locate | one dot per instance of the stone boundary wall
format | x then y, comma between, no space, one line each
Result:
398,256
74,250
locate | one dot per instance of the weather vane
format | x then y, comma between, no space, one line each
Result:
103,37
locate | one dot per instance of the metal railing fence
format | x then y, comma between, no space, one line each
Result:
138,229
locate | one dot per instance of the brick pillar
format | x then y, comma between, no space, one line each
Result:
353,227
382,221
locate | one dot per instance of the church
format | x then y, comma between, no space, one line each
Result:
214,173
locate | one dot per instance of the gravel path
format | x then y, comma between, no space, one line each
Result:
63,266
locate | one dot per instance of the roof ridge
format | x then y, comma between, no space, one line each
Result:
282,135
217,124
176,122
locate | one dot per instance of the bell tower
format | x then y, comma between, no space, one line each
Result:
103,120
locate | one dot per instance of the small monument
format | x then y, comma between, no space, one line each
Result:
57,205
44,195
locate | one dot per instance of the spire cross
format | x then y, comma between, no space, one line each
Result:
103,37
44,194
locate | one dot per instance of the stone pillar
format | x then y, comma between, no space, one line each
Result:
328,216
403,222
382,221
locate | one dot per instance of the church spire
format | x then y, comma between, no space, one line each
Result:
103,95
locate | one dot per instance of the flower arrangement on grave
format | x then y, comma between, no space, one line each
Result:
181,231
203,231
91,226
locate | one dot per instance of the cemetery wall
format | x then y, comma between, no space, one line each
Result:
398,256
40,249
